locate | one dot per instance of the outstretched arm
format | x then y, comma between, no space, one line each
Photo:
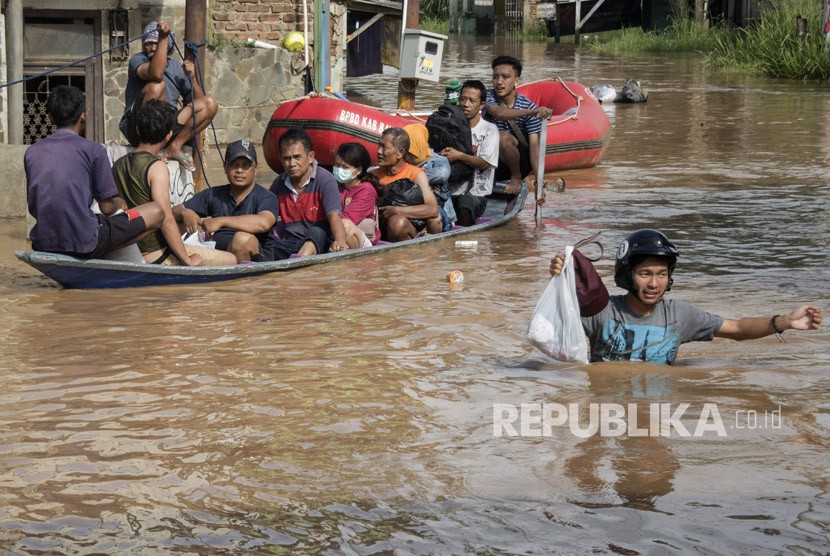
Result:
504,113
806,317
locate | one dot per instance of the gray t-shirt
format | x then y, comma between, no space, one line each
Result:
617,334
176,83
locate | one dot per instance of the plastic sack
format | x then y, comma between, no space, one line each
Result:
555,327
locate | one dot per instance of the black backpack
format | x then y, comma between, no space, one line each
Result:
448,127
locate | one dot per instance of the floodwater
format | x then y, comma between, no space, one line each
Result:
349,408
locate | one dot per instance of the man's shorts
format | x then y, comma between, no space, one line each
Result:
503,172
116,231
223,239
476,205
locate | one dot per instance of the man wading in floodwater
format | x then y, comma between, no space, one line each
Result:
642,326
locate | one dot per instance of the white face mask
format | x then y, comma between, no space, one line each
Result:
342,175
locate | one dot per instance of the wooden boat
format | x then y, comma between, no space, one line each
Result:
75,273
578,132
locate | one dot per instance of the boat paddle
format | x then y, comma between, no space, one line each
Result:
540,170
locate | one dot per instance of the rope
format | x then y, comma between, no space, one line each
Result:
70,64
578,98
194,47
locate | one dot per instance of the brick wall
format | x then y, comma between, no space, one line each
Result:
271,20
267,20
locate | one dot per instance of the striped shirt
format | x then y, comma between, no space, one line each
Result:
301,210
528,124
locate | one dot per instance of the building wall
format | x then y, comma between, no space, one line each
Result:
267,20
271,20
248,83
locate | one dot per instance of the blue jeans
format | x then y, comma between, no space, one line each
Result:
438,170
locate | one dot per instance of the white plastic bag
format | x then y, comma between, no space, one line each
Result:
555,327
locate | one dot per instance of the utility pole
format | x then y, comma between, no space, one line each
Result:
407,86
322,54
195,22
453,16
14,57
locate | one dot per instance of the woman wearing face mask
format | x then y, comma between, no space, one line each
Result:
358,193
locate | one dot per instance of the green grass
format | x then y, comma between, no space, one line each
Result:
680,36
220,42
771,47
434,24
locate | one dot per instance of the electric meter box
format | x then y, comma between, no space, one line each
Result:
421,53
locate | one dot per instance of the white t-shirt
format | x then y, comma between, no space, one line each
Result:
485,145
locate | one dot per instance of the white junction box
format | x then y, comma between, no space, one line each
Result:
421,54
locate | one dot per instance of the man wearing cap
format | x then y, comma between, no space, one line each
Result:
239,216
153,74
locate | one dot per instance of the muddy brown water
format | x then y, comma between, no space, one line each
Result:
349,408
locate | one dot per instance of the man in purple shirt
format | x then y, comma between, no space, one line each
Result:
64,173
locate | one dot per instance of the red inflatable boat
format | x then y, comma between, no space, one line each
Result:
578,131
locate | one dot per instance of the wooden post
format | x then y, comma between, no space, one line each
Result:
801,31
577,17
14,59
540,170
195,23
406,87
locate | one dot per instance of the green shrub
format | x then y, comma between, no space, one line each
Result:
434,24
683,35
771,47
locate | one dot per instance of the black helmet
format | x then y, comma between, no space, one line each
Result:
642,243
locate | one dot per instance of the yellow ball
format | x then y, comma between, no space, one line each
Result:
293,41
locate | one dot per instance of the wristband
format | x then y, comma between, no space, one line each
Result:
772,322
775,329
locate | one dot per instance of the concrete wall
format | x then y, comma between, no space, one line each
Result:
249,83
13,184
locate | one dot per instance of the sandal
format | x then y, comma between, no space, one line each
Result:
185,161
